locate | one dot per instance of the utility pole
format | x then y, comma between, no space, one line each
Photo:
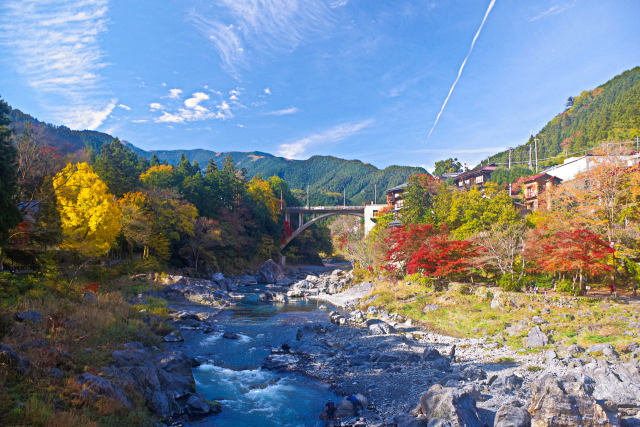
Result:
344,197
530,165
510,157
375,192
637,142
535,140
308,201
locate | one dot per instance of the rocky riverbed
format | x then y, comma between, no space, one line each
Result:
258,343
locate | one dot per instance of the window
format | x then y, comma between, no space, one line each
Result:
460,183
479,179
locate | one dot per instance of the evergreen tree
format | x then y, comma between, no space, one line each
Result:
118,167
9,213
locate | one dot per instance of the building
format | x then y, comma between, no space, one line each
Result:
370,213
475,177
394,197
573,166
534,188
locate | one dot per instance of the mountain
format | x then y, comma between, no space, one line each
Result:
610,112
326,176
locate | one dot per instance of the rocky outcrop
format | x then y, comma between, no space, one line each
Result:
567,401
200,291
328,284
536,338
270,272
93,387
164,379
512,415
447,404
11,360
32,316
618,383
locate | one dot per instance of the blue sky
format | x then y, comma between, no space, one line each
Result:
352,78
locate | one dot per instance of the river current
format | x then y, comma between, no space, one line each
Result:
231,375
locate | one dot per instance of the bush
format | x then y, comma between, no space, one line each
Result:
509,284
565,286
421,281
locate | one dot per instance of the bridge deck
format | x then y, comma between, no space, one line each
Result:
323,209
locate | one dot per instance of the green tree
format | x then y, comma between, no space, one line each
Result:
118,167
9,213
418,206
447,166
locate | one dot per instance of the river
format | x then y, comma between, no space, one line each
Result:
231,373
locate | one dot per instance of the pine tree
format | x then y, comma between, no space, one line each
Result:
9,213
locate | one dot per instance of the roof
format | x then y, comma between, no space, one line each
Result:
398,187
544,176
475,172
450,174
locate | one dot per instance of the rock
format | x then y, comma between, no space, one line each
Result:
55,373
516,329
92,387
567,401
473,373
510,415
379,327
372,310
12,360
270,272
406,420
387,358
198,407
536,338
32,316
430,307
603,349
538,320
512,382
90,298
174,336
575,350
550,356
230,335
350,406
438,422
618,383
357,316
456,406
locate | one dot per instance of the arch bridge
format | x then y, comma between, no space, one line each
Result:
317,213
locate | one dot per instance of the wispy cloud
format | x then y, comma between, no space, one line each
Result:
283,112
124,107
156,106
553,10
267,91
54,45
298,148
258,25
464,62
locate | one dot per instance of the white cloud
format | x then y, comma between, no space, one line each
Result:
283,112
338,3
54,45
297,148
124,107
156,106
164,84
175,93
195,100
267,91
553,10
259,25
139,121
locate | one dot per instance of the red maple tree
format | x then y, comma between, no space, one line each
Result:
440,257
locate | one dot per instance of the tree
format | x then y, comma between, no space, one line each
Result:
418,198
9,213
447,166
575,252
137,224
200,247
404,241
89,216
500,247
118,167
161,176
440,257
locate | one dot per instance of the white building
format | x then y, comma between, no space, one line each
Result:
574,166
370,212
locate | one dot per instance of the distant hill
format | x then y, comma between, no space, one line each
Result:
326,176
610,112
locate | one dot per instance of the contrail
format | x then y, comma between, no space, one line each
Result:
453,86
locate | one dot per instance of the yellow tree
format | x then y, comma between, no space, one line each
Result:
261,191
90,217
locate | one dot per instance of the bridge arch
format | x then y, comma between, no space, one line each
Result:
321,213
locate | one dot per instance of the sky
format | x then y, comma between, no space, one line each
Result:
405,82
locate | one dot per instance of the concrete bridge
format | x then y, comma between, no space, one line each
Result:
317,213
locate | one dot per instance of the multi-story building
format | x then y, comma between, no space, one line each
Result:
476,177
534,189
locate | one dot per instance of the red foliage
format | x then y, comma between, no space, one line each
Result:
577,251
406,240
440,257
427,250
93,287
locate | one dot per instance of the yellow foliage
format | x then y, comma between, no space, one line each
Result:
89,215
260,190
162,176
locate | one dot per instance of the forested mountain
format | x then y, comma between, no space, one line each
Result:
326,176
610,112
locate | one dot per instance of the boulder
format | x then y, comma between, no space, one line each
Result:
90,298
603,349
575,350
473,373
536,338
12,360
350,406
512,382
270,272
379,327
174,336
618,383
567,401
406,420
455,406
32,316
538,320
512,415
430,307
92,387
197,406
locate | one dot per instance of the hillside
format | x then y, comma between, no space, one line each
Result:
610,112
326,176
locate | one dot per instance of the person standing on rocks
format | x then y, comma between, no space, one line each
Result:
452,354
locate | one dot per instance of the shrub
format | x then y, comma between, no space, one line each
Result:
509,284
565,286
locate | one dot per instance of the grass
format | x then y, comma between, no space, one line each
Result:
80,338
586,321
